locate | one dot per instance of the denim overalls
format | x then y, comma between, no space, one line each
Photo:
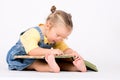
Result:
18,49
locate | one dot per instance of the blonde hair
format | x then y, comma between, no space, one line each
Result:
59,15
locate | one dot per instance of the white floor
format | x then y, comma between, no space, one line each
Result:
106,72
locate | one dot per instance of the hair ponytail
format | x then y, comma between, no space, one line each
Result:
53,9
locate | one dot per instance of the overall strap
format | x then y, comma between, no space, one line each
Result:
41,35
41,43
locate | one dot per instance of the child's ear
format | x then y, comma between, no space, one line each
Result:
48,25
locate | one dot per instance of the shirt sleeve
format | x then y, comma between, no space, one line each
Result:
61,45
30,39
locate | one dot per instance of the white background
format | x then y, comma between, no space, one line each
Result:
96,33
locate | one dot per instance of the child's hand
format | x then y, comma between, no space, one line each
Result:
56,52
76,55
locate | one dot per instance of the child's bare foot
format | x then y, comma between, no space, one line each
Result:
79,64
52,63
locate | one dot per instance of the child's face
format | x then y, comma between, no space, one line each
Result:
58,33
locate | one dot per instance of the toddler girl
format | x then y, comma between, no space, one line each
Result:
46,40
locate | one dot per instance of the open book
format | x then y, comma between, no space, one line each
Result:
89,65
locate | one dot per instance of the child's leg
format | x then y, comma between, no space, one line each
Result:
39,66
80,65
50,58
50,66
69,65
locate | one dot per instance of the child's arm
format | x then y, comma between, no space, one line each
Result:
38,52
68,51
42,52
73,53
